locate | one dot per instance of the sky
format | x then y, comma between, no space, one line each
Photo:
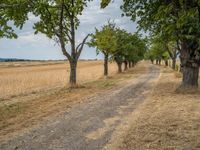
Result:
39,47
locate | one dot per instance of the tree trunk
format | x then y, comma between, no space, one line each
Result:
119,64
125,65
174,63
73,66
190,68
156,61
105,64
159,61
190,77
166,63
152,61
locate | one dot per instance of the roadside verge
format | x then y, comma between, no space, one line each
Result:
166,120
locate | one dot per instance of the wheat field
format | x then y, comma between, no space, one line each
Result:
26,77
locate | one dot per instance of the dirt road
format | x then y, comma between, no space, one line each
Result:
91,124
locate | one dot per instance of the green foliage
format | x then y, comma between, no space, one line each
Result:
174,19
157,50
104,3
165,56
49,12
15,11
118,43
105,39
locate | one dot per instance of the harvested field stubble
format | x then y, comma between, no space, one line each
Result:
22,78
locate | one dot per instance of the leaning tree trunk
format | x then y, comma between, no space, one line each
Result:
73,66
190,68
125,65
105,64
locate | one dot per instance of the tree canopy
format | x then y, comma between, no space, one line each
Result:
174,19
13,12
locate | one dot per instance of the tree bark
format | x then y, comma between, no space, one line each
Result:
166,63
159,61
72,80
125,65
190,68
190,77
173,63
119,64
105,64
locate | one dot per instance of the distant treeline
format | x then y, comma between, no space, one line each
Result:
12,59
16,60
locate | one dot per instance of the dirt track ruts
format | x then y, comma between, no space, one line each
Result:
89,125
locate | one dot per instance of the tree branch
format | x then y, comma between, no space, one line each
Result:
79,48
62,43
67,33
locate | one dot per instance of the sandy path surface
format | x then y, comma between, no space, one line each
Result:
88,125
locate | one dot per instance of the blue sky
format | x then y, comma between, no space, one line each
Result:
39,47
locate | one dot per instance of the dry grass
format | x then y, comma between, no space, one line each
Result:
165,121
26,77
22,112
178,74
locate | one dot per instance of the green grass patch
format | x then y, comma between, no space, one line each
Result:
10,111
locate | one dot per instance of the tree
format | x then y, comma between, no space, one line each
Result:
129,50
157,51
59,21
181,19
172,49
105,41
121,46
165,57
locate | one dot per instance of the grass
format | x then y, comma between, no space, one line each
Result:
165,121
178,74
32,77
10,111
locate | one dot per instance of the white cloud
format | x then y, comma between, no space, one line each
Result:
33,18
31,38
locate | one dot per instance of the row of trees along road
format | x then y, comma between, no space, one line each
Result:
157,52
118,45
177,24
58,20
